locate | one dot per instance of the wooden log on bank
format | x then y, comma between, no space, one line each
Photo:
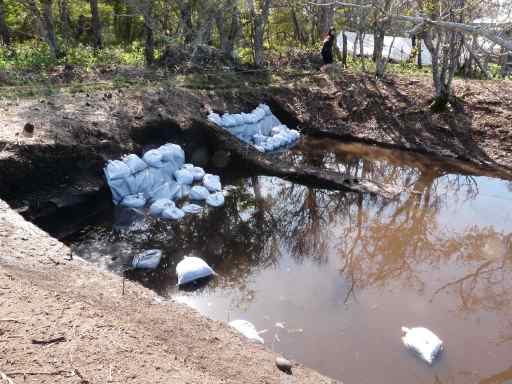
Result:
272,166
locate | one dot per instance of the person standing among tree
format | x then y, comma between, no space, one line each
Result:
328,44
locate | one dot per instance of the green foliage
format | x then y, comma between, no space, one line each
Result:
35,55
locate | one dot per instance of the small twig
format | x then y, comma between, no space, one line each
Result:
55,373
53,261
83,379
49,341
3,376
11,321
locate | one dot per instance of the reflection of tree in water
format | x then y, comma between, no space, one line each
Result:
379,241
376,241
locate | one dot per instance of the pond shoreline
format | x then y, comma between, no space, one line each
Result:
136,337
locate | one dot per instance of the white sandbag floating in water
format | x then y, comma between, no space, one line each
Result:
191,269
215,200
193,209
147,260
199,193
422,341
212,183
247,329
259,128
134,201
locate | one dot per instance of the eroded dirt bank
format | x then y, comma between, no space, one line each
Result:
83,130
102,336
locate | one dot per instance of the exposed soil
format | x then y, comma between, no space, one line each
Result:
62,321
136,337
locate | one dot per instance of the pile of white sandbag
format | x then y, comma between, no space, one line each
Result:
259,128
160,179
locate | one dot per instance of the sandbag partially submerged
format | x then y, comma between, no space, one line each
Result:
247,329
191,269
159,178
422,341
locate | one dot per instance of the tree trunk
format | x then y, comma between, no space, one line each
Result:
65,20
5,33
50,28
506,68
149,47
420,49
378,43
186,22
345,50
229,33
259,21
325,17
80,27
96,24
281,168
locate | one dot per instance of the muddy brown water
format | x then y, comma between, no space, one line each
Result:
330,277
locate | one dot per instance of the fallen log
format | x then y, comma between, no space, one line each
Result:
267,165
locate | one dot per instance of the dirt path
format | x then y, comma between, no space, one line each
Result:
102,336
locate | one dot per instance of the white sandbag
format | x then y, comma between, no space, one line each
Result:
215,199
192,268
184,176
116,170
295,134
119,189
172,213
212,182
259,139
172,153
228,120
247,329
215,118
198,173
147,181
199,193
259,148
149,259
183,191
153,158
159,206
422,341
192,209
135,163
134,201
188,166
167,190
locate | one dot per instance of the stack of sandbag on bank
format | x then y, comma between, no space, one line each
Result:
259,128
160,179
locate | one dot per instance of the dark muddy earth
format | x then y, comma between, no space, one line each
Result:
330,277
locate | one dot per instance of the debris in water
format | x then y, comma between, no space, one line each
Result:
191,269
247,329
422,341
280,325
